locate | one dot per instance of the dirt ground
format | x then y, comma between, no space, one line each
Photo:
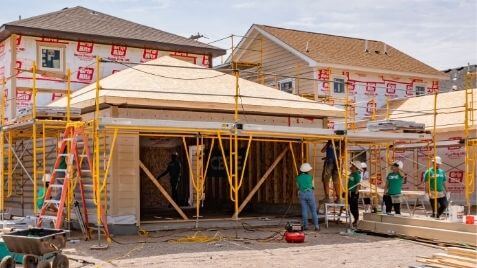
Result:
261,247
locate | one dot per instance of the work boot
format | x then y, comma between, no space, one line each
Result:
317,228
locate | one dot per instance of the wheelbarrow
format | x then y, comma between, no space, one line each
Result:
40,248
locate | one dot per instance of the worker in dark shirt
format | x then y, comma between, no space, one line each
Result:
330,170
174,170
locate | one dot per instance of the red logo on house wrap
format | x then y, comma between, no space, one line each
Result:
55,96
85,73
455,147
23,96
351,87
456,176
370,88
150,54
409,90
118,51
205,60
18,40
391,89
371,106
18,66
331,125
84,47
2,48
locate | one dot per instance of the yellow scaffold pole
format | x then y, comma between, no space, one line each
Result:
34,149
434,141
2,150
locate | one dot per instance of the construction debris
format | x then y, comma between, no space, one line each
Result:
455,257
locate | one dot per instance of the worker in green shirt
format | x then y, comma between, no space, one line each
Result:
393,188
435,184
306,194
353,190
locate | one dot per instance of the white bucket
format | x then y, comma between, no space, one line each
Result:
455,213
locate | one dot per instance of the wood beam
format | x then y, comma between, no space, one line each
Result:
162,190
261,181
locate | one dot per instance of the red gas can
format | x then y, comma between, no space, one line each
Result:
295,237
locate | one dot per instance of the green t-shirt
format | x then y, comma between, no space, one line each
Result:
441,179
40,197
304,182
395,181
354,179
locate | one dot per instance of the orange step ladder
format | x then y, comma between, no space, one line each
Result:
73,136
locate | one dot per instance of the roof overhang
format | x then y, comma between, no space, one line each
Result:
7,30
208,106
154,125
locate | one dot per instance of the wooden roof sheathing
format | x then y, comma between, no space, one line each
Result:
175,84
450,110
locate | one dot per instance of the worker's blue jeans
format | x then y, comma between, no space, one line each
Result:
308,203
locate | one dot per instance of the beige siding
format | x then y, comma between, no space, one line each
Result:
279,61
125,176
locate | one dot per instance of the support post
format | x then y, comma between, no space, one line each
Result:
261,181
162,190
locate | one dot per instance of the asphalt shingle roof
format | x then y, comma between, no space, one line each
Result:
332,49
84,23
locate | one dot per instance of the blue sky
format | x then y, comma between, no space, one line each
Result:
441,33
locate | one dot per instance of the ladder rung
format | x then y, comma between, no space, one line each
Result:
56,185
48,217
52,201
86,170
60,169
83,155
88,185
68,139
65,155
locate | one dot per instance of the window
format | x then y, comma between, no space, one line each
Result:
287,85
338,85
420,90
51,58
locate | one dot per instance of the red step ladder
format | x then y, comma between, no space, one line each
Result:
73,136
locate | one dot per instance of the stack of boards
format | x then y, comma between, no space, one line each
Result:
396,125
455,257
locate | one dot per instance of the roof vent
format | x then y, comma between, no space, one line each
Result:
377,52
385,49
307,47
94,12
366,46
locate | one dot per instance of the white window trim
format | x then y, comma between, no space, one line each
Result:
414,87
332,83
60,47
286,80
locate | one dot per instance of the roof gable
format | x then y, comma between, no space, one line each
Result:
177,84
79,22
327,49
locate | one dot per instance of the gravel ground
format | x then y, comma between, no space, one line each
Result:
247,248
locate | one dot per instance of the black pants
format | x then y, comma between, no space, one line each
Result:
441,206
388,201
174,189
353,205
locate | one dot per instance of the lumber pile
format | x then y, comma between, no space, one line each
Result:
421,229
46,112
455,257
396,125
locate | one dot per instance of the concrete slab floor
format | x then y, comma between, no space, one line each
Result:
249,248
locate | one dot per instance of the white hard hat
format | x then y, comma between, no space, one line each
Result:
399,164
363,165
46,177
357,164
305,167
438,160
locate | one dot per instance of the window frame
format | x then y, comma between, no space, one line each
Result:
287,80
344,83
419,85
39,57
